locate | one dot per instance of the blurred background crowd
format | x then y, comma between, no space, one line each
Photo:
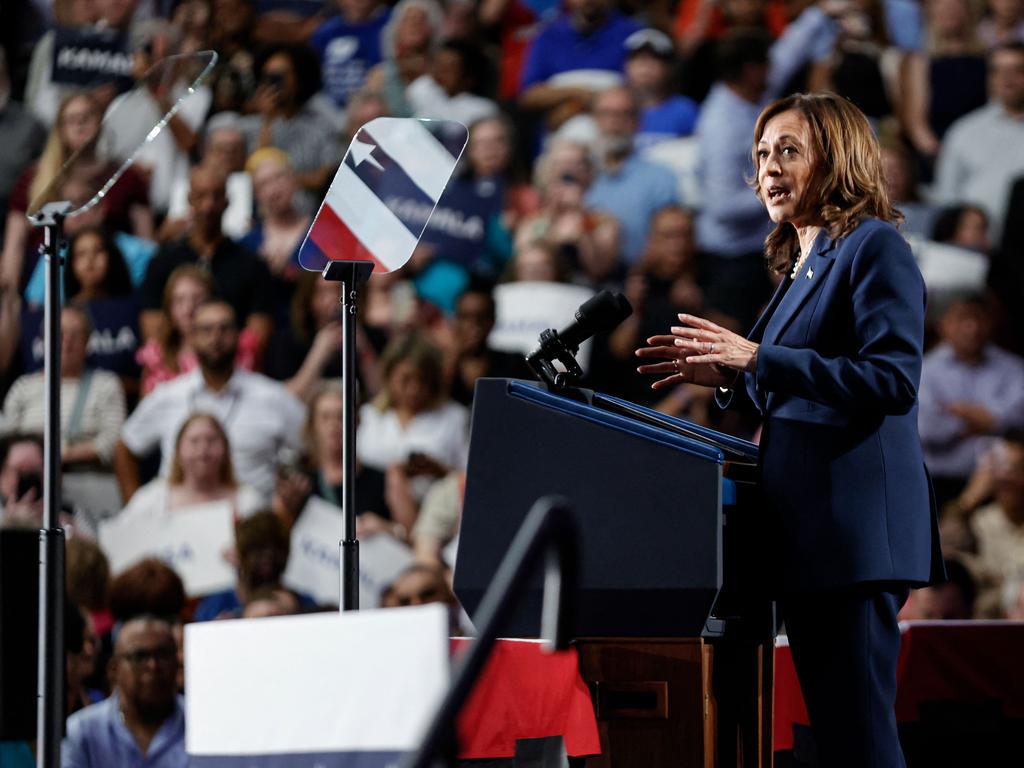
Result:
609,147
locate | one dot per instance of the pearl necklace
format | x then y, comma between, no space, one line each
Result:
799,264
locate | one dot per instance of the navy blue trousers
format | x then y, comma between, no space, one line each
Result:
845,645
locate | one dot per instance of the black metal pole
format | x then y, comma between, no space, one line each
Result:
50,710
351,274
549,531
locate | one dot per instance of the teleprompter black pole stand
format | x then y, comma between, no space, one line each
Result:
351,275
50,703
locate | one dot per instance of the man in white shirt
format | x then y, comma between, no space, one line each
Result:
258,414
982,154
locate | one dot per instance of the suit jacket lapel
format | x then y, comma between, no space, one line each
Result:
810,277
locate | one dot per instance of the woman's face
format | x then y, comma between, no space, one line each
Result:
326,302
186,295
406,387
274,186
327,415
413,32
89,261
79,123
786,168
488,148
535,265
201,451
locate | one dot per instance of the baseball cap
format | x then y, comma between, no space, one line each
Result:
655,41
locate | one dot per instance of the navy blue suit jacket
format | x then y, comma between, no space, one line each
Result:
842,473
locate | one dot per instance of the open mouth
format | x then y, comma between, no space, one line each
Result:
777,193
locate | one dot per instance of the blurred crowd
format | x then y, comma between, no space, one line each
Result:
609,147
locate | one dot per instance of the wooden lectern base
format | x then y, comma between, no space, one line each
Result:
663,703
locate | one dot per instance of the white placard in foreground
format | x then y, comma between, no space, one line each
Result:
192,540
314,565
328,688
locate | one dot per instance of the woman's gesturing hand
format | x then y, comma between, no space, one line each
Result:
699,352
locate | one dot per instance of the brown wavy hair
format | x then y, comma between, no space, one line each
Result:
848,181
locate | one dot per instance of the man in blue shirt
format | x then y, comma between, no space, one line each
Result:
628,187
588,37
349,45
732,223
142,724
650,56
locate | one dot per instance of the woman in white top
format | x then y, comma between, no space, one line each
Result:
412,422
201,473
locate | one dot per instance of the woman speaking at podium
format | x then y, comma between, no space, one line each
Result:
833,364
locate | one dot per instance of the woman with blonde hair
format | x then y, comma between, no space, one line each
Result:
77,127
833,364
201,472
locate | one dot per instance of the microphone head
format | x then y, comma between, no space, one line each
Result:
604,311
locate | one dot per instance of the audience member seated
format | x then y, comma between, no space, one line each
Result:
664,114
732,223
164,159
281,227
233,78
901,183
412,422
21,481
995,545
422,584
852,65
438,522
472,358
170,353
627,186
76,129
88,582
971,390
262,543
450,91
566,220
201,472
574,56
21,135
283,118
272,601
224,149
945,81
93,405
699,26
378,507
143,721
80,643
965,226
409,40
241,277
349,45
97,279
259,415
537,262
1004,23
953,600
968,169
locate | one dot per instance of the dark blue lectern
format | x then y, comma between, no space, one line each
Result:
649,492
674,628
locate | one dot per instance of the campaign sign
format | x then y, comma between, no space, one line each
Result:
314,564
90,56
330,690
390,159
192,541
524,310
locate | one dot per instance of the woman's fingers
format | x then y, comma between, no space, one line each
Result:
699,322
670,367
666,351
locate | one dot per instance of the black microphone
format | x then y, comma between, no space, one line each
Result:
597,314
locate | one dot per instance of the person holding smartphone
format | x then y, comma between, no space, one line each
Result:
21,480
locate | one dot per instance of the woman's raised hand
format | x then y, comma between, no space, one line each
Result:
698,352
